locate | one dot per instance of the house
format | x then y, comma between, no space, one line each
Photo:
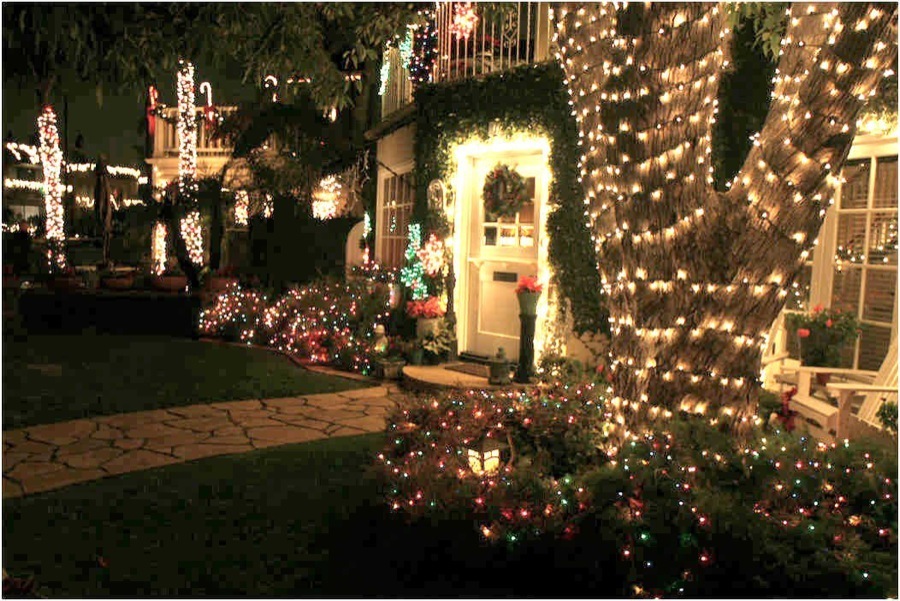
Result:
497,102
213,153
23,184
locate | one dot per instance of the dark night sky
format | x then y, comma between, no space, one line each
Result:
115,127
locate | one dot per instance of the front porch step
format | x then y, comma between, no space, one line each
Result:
432,378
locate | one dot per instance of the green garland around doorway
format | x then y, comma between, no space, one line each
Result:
531,98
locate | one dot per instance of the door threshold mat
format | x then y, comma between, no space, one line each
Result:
472,369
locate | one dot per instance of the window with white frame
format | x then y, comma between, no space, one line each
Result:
861,256
398,193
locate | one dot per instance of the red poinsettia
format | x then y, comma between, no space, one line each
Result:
529,284
428,308
786,415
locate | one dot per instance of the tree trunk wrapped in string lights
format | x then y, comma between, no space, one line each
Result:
51,163
696,277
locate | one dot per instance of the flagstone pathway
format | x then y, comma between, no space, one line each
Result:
45,457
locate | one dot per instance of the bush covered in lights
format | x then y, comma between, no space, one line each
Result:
683,510
325,322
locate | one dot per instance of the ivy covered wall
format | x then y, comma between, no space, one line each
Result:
530,98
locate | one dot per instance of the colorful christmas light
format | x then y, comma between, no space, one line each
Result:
412,275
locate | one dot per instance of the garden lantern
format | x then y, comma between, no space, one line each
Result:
485,458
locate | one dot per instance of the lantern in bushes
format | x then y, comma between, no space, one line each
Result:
485,457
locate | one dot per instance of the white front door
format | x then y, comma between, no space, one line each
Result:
500,251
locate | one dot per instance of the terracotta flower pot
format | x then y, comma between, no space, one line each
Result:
219,284
169,283
64,282
118,282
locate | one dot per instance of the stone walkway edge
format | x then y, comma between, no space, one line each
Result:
51,456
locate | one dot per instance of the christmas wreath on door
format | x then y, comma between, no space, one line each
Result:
504,192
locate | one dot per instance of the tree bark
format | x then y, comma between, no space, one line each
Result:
696,277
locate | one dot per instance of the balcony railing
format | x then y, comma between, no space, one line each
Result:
476,39
399,91
166,140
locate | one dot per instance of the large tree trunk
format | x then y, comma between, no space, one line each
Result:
696,277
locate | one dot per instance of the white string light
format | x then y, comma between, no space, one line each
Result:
191,227
158,248
51,161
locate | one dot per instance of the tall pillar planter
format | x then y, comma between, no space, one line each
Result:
528,293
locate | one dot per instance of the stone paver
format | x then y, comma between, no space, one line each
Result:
46,457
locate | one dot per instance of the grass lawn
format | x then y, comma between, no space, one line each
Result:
53,378
300,520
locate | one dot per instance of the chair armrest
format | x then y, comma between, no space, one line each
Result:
838,371
841,386
775,358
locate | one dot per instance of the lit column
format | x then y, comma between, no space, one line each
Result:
51,161
190,225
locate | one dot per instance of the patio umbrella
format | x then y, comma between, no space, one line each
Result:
102,205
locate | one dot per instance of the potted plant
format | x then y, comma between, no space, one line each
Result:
428,313
822,334
171,280
389,362
65,280
222,279
436,345
117,280
528,291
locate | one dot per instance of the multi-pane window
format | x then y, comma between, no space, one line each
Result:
398,192
864,262
515,230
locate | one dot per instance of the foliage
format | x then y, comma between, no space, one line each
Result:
572,372
768,20
823,334
673,512
428,308
887,415
131,47
236,315
533,99
744,95
437,344
330,321
504,193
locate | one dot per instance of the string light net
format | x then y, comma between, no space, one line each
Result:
241,208
158,248
51,161
695,278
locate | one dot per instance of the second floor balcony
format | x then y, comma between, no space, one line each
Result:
165,142
473,40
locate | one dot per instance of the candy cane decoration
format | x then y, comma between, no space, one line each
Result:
209,110
271,81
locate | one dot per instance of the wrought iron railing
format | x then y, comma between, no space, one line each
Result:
473,39
477,39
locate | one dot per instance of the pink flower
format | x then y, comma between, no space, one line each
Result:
528,284
803,333
818,309
829,323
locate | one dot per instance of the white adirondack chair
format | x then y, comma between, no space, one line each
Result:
828,422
